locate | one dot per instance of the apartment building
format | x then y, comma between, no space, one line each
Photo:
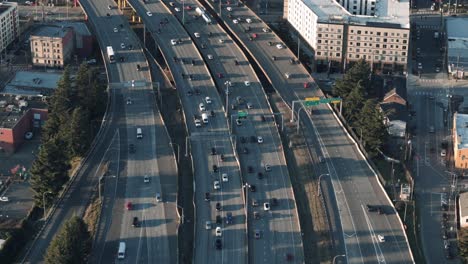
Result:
345,31
460,140
9,24
52,46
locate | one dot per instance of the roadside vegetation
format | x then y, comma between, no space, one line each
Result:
359,109
67,134
72,244
463,244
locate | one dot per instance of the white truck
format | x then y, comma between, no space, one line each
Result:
201,12
205,118
436,35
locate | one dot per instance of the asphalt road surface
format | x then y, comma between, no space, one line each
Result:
154,240
214,131
278,228
354,183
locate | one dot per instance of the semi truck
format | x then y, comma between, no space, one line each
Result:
110,54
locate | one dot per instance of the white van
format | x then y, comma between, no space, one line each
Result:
122,248
139,133
204,117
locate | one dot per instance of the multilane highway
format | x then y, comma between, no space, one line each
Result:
194,84
355,184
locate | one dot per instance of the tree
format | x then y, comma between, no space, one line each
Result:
374,131
71,245
80,136
352,102
83,87
358,73
49,170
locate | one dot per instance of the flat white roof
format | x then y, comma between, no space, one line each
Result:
464,204
462,130
386,11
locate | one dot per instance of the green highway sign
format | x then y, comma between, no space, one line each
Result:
312,99
242,114
311,103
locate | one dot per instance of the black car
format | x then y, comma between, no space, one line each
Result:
253,188
191,77
292,61
219,220
260,175
130,46
212,113
122,59
215,168
136,222
121,25
236,62
246,151
242,139
174,59
273,58
274,202
263,118
210,34
131,148
203,46
218,244
207,197
189,93
193,62
221,157
229,218
218,206
138,67
250,169
197,92
213,151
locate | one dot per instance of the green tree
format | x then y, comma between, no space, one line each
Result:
374,131
352,102
79,137
49,170
83,87
463,244
358,73
71,245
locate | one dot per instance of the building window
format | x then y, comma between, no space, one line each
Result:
405,35
357,56
404,41
385,34
319,41
377,45
403,53
352,31
319,53
338,54
384,40
319,35
403,47
378,33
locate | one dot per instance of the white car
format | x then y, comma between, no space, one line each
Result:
216,185
221,41
267,167
129,101
28,135
235,21
420,66
218,231
122,45
116,30
266,206
260,140
225,177
381,238
158,197
197,35
210,57
443,153
248,20
208,225
146,179
28,2
4,199
149,13
177,9
279,46
197,123
201,106
208,100
266,30
229,8
247,83
173,42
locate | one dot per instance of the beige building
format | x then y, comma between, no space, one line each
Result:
463,209
52,46
342,32
460,140
9,24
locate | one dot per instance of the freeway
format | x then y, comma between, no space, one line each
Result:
278,228
194,84
355,184
153,239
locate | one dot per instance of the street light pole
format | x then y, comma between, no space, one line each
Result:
227,83
44,203
183,12
186,145
334,258
318,184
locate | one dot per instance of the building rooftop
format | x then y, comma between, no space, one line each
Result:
461,121
4,6
51,31
12,108
32,83
395,111
78,27
389,13
464,204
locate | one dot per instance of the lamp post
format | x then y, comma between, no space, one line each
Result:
178,150
44,203
228,84
334,258
318,184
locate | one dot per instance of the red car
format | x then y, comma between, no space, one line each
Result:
220,75
187,7
306,85
128,205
